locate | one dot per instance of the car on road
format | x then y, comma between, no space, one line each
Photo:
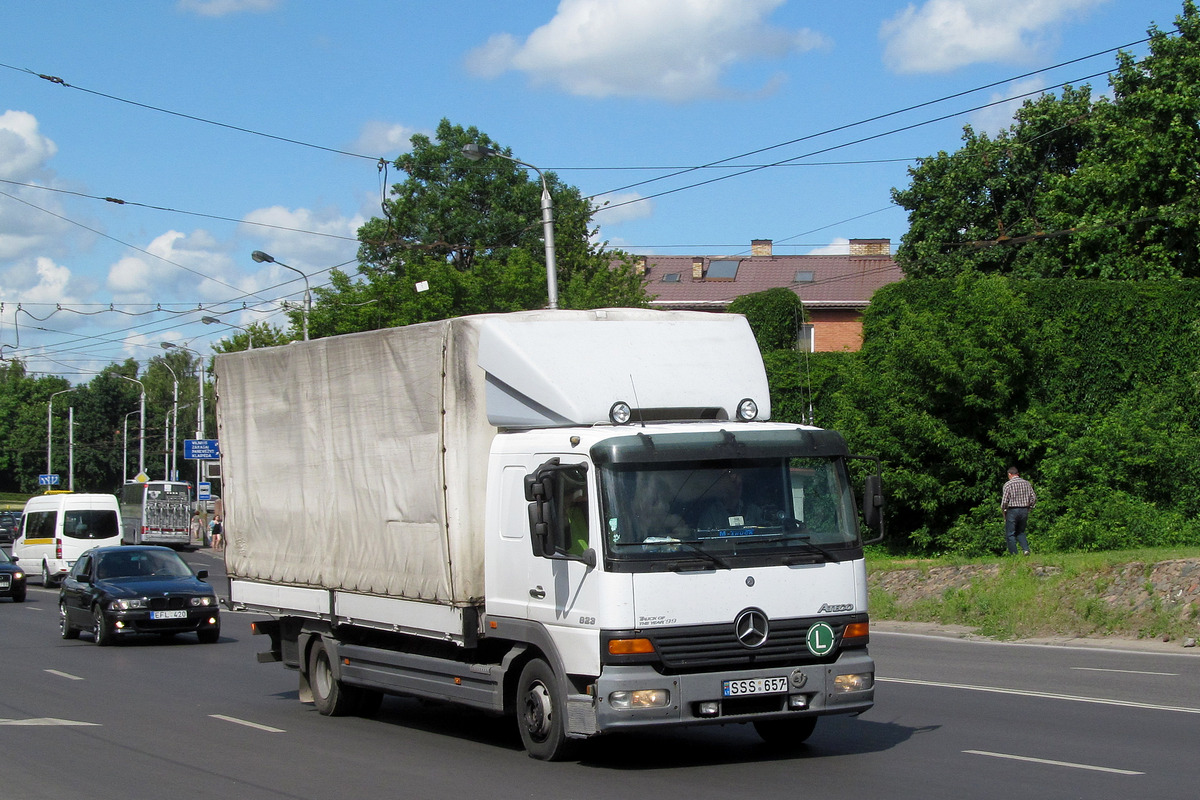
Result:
12,579
118,592
10,523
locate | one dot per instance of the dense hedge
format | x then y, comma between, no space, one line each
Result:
1089,386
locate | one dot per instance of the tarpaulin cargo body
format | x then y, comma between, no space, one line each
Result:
359,463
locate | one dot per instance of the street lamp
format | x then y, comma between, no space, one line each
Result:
169,466
50,427
475,152
125,450
200,469
142,423
199,383
215,321
261,257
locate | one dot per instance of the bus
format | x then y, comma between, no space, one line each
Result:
156,512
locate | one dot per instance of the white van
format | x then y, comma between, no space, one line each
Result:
57,528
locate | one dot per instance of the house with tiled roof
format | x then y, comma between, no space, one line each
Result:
835,289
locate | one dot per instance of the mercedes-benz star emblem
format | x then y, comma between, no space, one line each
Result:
751,628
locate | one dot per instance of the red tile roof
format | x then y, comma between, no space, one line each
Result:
841,281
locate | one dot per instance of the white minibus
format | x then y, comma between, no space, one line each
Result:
57,528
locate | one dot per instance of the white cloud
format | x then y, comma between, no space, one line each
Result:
385,139
675,50
993,119
838,247
222,8
24,151
943,35
287,235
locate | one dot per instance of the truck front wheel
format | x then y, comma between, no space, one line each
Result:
786,733
331,697
541,712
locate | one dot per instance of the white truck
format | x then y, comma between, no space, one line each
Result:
580,518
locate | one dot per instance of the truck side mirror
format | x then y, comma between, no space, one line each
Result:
548,489
872,506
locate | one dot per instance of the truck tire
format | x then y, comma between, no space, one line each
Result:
331,697
541,713
786,733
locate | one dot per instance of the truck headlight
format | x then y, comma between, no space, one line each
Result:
855,682
640,698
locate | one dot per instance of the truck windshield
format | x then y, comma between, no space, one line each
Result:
691,515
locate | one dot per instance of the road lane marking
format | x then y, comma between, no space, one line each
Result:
1053,763
1128,671
47,721
247,723
1104,701
66,675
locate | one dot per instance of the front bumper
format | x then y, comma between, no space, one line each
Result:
139,621
697,699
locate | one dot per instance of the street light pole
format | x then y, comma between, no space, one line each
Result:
199,382
475,152
141,423
261,257
50,428
214,320
125,450
170,466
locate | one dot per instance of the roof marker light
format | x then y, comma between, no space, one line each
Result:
747,410
620,413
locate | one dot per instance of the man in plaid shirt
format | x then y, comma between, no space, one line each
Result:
1016,500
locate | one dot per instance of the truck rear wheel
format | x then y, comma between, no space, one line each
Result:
331,697
541,712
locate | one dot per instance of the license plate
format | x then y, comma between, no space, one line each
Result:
5,581
743,686
168,615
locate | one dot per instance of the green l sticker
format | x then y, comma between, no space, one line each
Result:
820,639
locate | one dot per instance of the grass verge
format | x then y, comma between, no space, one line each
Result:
1153,593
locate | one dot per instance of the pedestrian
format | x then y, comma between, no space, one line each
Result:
1017,499
218,533
197,530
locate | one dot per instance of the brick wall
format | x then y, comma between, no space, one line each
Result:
836,330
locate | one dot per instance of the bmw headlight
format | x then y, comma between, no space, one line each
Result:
204,601
127,603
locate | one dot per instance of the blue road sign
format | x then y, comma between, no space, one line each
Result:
47,480
204,490
201,449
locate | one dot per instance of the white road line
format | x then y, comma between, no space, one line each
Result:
1052,763
48,721
248,724
62,674
1047,695
1128,671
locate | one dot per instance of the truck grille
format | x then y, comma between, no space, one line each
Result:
716,647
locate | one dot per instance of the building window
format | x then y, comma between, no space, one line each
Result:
805,277
722,270
671,277
806,341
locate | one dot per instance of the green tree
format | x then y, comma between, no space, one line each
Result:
1075,187
463,237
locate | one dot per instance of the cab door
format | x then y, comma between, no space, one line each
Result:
563,579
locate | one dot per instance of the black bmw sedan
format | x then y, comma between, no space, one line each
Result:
12,579
116,592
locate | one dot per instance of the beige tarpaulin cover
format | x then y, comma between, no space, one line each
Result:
359,462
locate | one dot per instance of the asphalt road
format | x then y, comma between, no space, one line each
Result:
954,719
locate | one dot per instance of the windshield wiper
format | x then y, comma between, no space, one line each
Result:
814,547
700,551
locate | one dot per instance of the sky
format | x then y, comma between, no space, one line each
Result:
229,126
